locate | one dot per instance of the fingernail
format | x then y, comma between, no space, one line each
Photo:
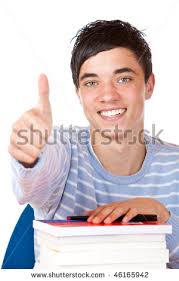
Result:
125,219
96,220
108,220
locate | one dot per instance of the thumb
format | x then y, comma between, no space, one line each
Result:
43,87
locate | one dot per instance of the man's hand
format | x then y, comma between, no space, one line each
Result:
31,131
129,208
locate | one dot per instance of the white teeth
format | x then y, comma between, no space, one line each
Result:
112,112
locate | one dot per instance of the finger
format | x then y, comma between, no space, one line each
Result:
24,146
44,102
130,214
30,119
94,213
102,214
19,155
37,127
116,213
22,135
27,136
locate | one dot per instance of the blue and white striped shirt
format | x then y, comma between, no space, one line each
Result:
68,179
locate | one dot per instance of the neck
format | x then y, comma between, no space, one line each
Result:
121,157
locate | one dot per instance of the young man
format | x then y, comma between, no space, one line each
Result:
116,169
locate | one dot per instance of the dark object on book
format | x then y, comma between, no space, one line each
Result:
138,218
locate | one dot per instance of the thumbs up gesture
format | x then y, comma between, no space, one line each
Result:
30,133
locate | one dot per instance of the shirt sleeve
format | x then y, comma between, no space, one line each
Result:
42,186
173,241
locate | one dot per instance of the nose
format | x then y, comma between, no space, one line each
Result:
109,93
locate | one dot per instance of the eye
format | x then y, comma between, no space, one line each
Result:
91,84
124,80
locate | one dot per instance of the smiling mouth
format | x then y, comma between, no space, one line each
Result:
112,113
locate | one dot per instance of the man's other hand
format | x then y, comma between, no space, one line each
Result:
30,133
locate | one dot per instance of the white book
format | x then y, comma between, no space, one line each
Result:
99,239
101,246
101,268
49,256
83,228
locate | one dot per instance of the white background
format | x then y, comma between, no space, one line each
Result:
35,37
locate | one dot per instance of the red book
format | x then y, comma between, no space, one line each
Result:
60,228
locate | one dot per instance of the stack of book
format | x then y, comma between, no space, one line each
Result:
83,245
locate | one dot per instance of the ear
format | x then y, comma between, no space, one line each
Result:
150,86
78,94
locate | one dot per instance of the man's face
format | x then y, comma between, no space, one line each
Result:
112,90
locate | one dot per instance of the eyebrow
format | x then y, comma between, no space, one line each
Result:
117,71
124,69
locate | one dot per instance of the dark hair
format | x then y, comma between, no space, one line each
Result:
102,35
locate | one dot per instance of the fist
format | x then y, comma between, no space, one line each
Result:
30,133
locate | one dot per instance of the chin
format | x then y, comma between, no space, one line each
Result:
113,133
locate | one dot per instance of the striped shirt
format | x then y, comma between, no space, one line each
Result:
68,180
